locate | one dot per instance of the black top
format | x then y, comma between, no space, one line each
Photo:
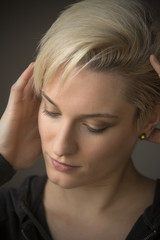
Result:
22,213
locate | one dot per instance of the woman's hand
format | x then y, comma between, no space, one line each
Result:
19,136
155,135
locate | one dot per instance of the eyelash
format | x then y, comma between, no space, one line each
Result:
91,130
50,114
95,131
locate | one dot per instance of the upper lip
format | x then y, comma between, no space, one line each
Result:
65,164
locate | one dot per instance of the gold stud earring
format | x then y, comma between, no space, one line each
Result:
142,136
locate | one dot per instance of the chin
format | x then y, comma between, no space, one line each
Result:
62,180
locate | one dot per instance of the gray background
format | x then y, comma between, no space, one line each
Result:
22,25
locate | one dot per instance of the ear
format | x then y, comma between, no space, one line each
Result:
152,121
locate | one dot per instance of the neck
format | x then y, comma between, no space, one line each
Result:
95,198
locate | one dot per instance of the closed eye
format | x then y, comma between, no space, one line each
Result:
90,129
51,114
94,130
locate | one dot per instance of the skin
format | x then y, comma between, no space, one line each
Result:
66,137
105,171
101,197
18,142
25,144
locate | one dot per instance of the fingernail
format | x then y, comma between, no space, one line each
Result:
31,65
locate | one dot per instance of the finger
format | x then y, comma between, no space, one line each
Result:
29,89
30,96
155,64
24,78
154,136
17,90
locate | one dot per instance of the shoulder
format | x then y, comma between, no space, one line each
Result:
155,208
12,198
148,224
16,203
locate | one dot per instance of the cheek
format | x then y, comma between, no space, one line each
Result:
44,128
115,146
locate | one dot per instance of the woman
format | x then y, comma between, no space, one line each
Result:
98,90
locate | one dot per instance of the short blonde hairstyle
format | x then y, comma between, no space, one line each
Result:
105,35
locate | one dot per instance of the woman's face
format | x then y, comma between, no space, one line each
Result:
86,129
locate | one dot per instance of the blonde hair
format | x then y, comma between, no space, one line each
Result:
105,35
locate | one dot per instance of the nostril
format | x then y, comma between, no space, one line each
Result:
63,146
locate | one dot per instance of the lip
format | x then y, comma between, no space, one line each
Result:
63,166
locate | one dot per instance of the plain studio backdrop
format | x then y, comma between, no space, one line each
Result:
22,25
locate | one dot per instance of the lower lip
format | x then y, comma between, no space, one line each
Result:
62,167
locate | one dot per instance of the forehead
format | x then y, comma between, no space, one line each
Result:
88,89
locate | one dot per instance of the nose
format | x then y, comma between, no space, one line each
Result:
64,143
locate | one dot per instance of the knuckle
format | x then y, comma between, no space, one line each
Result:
15,87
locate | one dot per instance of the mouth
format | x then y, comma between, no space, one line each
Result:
63,166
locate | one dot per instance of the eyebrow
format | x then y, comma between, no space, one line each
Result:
94,115
48,99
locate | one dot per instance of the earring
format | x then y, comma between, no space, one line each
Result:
142,136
